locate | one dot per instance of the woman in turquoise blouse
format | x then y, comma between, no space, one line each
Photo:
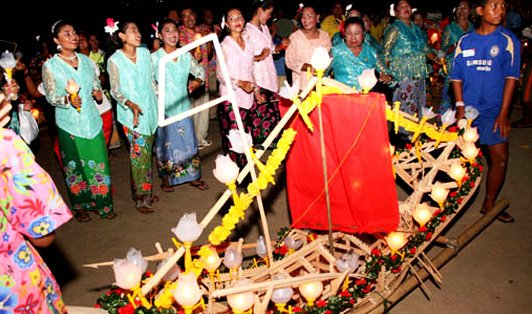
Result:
176,145
451,35
133,87
352,55
82,144
405,51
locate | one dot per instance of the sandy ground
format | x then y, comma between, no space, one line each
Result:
492,274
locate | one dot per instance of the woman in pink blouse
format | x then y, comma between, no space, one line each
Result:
302,44
266,93
239,55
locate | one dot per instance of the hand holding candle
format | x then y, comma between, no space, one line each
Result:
8,62
73,88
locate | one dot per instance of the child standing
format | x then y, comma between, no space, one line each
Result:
484,75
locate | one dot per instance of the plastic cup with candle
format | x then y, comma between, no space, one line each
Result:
73,88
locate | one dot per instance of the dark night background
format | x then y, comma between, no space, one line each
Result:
28,19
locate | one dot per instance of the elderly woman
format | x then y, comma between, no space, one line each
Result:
302,45
352,55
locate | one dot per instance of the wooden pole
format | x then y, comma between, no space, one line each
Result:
324,164
439,260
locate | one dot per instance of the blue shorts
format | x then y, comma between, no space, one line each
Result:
484,123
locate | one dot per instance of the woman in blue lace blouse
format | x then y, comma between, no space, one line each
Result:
352,55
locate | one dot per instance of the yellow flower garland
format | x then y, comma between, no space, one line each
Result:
238,211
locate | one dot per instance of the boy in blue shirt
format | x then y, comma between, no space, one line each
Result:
484,75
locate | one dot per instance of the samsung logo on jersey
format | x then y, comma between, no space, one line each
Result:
482,65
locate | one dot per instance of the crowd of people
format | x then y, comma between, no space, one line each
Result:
85,92
262,47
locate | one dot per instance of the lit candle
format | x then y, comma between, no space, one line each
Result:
439,193
187,293
471,135
311,291
395,241
127,274
73,88
457,172
8,62
470,151
241,302
212,261
422,214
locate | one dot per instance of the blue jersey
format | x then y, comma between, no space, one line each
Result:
482,63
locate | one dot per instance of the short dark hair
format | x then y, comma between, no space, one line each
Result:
354,20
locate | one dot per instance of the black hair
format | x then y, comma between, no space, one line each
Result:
225,30
396,3
164,22
353,20
57,26
480,3
54,30
114,41
262,4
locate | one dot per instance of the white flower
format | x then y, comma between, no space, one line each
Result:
111,26
236,141
289,92
392,9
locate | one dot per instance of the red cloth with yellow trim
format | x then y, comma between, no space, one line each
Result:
362,188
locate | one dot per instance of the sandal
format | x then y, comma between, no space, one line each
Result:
167,188
199,184
82,216
504,217
109,216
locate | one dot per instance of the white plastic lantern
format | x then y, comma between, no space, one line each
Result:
395,241
236,141
241,302
457,172
188,229
367,80
320,59
439,193
127,274
422,214
187,293
471,135
232,258
226,170
261,247
281,296
311,291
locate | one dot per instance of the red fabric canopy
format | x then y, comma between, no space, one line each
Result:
361,184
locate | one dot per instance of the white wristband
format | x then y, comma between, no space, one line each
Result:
460,104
